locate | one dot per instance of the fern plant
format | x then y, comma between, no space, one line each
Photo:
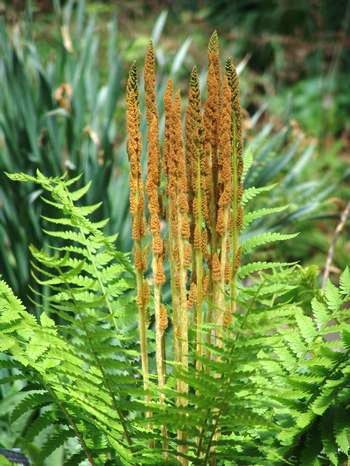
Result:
310,367
79,366
85,276
230,371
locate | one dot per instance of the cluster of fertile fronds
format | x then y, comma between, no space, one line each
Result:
196,178
203,194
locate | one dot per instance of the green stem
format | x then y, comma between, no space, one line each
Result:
143,334
160,345
183,317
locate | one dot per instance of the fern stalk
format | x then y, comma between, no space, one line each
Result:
176,246
138,223
180,207
212,130
179,230
237,172
170,213
225,199
208,176
152,186
195,144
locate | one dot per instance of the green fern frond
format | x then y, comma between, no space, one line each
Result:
76,364
344,282
37,426
54,441
31,401
332,296
262,239
252,267
320,313
328,439
252,192
257,214
247,161
306,326
341,429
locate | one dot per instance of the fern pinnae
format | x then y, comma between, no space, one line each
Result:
260,213
37,425
252,192
97,360
252,242
100,366
214,415
33,399
68,275
74,426
253,267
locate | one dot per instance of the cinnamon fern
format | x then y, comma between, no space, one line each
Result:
236,368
